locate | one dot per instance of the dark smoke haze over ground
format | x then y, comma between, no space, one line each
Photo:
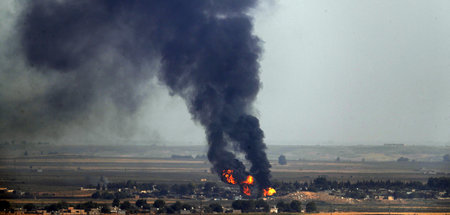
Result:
204,51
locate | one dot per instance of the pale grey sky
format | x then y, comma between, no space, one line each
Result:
355,71
332,71
346,72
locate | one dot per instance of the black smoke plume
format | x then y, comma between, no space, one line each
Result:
206,53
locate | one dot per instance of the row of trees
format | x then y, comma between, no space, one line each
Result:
87,206
140,204
262,206
161,206
296,206
251,205
321,183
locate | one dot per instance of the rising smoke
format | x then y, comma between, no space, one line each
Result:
204,51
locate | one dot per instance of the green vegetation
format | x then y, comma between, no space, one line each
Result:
159,203
56,207
294,206
116,202
282,160
29,207
142,203
251,205
126,205
216,207
4,205
311,207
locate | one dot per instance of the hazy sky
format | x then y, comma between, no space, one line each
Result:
355,71
332,71
350,71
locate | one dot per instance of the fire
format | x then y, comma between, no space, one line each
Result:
228,174
246,190
249,180
269,191
245,185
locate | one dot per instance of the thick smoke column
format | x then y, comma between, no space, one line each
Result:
206,51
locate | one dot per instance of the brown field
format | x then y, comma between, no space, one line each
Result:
44,173
63,175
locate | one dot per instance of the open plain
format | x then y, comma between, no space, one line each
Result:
60,176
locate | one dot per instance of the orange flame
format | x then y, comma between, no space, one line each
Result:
245,185
269,191
228,174
246,190
249,180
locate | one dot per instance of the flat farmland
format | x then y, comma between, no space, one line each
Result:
66,172
61,176
60,171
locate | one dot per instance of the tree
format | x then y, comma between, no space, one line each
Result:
237,205
140,203
297,185
295,206
106,195
116,202
186,206
126,205
311,207
159,203
441,183
216,207
248,206
207,210
403,159
87,205
245,206
321,183
168,210
177,206
262,204
282,160
51,207
96,195
4,205
163,189
105,210
56,207
209,186
29,207
282,207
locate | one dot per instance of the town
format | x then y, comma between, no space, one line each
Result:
209,197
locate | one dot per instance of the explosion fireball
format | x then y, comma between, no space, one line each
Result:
228,174
269,191
245,185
